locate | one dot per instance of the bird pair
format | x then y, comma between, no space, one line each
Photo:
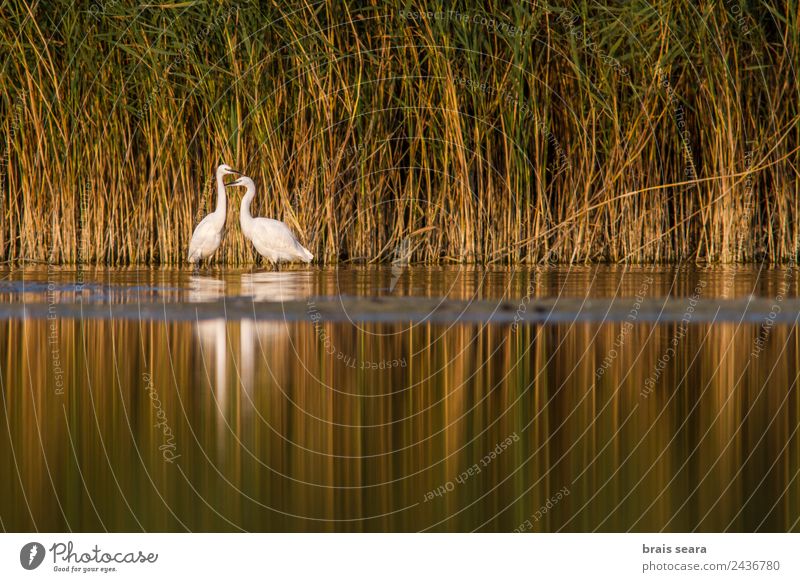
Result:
271,238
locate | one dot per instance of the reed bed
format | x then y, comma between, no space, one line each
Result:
478,132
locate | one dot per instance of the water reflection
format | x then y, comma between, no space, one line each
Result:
637,426
256,339
212,338
460,282
205,288
247,343
278,286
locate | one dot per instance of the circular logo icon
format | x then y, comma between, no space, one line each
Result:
31,555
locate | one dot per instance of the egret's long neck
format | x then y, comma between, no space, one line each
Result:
222,202
245,218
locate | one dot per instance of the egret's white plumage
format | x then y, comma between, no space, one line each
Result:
272,238
207,237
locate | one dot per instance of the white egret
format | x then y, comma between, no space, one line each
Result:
207,237
272,238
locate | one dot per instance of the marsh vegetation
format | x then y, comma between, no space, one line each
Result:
482,132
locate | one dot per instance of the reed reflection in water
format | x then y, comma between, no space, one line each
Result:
280,426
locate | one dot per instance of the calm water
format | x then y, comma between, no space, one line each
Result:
160,400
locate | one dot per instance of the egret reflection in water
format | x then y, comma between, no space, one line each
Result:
212,340
203,288
278,286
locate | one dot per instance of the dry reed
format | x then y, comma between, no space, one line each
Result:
477,132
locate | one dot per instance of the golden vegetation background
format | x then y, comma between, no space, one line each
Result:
476,132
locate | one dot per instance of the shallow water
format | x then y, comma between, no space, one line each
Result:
401,399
